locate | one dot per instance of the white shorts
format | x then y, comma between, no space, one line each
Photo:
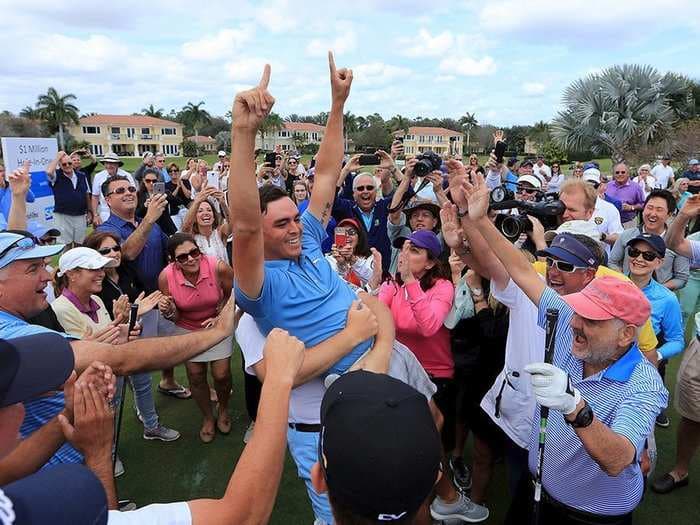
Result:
72,227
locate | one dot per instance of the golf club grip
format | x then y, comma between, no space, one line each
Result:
552,316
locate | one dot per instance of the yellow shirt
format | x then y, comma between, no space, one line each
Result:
647,339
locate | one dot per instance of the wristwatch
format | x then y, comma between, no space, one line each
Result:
583,418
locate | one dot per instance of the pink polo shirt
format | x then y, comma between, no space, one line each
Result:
195,303
419,318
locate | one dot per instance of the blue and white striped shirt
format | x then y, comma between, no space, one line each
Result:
626,396
43,409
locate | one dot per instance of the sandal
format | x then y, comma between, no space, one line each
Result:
223,425
179,392
207,436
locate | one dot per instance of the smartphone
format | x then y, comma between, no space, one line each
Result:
399,139
340,237
213,179
369,160
500,150
159,188
270,158
133,316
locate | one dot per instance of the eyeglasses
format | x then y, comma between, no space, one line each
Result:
647,256
23,243
563,266
365,188
265,177
183,257
174,170
65,164
105,251
122,190
150,181
620,172
529,191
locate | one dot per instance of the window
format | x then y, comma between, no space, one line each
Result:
439,138
145,131
114,130
91,130
168,131
96,149
130,132
284,134
421,138
314,136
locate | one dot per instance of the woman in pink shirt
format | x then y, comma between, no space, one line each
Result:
420,298
196,286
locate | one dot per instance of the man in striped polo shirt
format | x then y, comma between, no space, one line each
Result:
606,394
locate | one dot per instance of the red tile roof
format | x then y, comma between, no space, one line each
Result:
303,126
127,120
201,139
421,130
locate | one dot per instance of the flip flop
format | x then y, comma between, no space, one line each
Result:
179,392
223,426
207,436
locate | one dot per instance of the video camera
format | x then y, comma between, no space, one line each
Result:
547,208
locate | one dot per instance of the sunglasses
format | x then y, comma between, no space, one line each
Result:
364,188
174,171
647,256
150,181
265,177
105,251
529,191
122,190
563,266
620,172
23,243
65,164
183,257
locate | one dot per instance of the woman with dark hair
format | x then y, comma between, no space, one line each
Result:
350,255
204,222
556,180
179,192
144,194
196,286
420,299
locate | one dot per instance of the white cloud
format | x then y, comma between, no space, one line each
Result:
534,88
445,78
345,42
249,70
378,73
468,67
278,16
219,46
426,45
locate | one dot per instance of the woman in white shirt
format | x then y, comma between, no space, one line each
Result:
203,221
645,179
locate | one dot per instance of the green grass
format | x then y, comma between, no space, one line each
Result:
187,469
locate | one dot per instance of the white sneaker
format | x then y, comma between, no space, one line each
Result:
249,432
463,509
118,467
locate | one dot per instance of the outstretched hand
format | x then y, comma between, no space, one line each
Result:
250,107
341,79
451,227
20,180
457,173
477,195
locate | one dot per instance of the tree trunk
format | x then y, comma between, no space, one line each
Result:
61,145
468,148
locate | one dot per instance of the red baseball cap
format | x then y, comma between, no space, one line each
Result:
610,298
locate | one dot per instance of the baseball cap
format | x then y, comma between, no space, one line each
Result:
39,230
350,222
147,155
526,162
610,298
82,257
221,153
655,241
17,247
693,162
379,447
32,365
591,164
565,247
592,175
535,181
423,239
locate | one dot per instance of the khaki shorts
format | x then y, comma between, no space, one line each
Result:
688,383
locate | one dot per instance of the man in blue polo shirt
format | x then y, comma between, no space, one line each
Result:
71,194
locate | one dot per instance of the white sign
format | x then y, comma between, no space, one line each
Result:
39,152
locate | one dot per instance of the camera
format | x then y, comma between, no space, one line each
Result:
427,162
547,208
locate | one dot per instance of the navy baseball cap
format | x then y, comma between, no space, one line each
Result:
379,447
33,365
655,241
423,239
61,495
565,247
16,247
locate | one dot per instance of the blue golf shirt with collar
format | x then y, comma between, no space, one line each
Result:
43,409
305,297
626,397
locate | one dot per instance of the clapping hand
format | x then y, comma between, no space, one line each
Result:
404,267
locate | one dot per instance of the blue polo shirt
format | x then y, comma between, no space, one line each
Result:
40,410
626,397
666,318
305,297
152,259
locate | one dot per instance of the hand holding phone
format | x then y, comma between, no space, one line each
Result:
369,159
340,237
159,188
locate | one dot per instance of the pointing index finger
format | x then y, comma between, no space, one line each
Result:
331,62
265,80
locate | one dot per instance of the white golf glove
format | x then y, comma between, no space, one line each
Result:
552,387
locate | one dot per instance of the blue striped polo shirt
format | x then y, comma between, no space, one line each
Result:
626,396
40,410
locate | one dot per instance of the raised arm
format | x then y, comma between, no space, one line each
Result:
675,238
516,264
51,168
19,181
137,240
330,153
249,110
401,189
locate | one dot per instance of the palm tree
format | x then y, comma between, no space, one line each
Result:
194,116
349,126
151,111
468,123
398,122
272,123
621,109
57,110
30,113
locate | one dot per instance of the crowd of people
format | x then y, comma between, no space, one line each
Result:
383,315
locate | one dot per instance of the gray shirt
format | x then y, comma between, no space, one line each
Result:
675,268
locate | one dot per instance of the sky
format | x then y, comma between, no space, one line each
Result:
507,61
